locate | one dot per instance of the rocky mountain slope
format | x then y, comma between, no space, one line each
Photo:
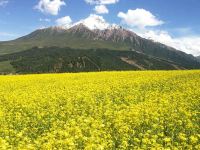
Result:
111,37
198,58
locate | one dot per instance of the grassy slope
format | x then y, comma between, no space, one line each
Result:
42,38
55,59
59,41
50,38
6,67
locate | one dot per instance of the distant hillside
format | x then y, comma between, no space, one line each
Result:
54,59
81,37
198,58
78,36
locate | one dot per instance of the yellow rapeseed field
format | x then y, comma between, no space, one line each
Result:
97,111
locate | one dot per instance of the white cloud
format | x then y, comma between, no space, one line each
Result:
140,18
101,9
188,44
3,2
64,21
101,2
45,20
94,22
51,7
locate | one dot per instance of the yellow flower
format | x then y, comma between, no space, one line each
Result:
193,139
167,139
107,110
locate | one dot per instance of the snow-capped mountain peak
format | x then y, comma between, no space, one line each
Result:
93,22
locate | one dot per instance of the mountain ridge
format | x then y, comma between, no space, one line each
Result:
81,37
198,58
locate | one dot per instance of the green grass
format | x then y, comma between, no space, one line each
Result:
54,59
5,67
62,41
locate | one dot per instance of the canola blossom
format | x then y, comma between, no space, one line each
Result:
97,111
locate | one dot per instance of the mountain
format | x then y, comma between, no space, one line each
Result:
82,36
54,59
79,36
198,58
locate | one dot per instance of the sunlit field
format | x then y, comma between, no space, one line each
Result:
96,111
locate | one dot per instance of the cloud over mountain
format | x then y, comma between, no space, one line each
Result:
188,44
139,18
101,9
64,21
51,7
94,22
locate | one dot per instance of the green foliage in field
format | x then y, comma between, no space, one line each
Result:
108,110
6,67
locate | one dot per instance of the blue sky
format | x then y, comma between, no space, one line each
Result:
180,18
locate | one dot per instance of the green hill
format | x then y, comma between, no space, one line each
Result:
198,58
54,59
83,41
